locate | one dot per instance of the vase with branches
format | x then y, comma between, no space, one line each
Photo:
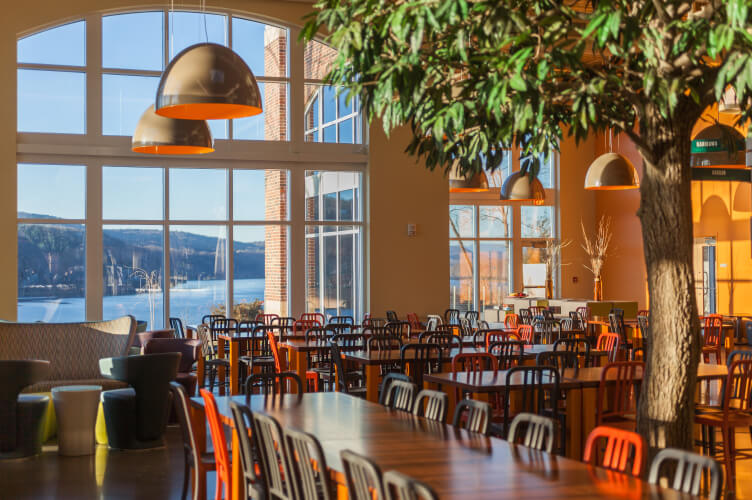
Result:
597,250
552,259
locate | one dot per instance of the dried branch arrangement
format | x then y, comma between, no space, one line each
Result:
552,256
597,248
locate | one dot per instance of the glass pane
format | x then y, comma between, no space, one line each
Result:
64,45
546,172
132,193
124,100
51,272
259,194
260,287
262,46
133,273
330,103
461,221
537,222
330,134
197,272
345,104
326,190
133,41
332,277
40,92
346,132
271,125
318,59
190,28
461,260
218,128
493,273
494,222
51,191
497,177
198,194
534,270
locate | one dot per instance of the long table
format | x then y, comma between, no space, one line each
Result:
455,463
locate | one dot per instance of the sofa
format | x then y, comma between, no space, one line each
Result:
73,349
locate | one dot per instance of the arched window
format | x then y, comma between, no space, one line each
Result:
103,231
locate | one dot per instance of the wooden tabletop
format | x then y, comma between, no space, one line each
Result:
393,355
591,377
455,463
486,381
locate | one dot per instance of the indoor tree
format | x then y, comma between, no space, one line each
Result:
469,75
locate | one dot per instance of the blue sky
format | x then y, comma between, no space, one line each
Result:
132,42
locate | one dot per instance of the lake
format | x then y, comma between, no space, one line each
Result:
190,301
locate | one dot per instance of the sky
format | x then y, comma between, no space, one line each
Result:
133,42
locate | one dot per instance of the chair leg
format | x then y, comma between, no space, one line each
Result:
212,376
186,475
728,459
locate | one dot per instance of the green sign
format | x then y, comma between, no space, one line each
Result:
720,174
714,145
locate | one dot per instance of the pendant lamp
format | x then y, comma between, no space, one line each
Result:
208,81
729,104
459,183
168,136
611,171
519,187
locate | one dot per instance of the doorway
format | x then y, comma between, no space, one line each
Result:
705,276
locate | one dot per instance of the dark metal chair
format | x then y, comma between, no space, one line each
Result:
273,384
539,431
539,394
272,456
581,347
508,353
558,359
452,317
425,358
472,415
347,382
307,466
177,325
253,484
392,317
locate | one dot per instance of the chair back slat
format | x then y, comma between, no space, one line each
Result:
272,457
307,465
363,477
539,431
621,448
689,469
432,405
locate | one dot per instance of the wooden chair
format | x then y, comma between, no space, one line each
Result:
688,469
508,354
511,321
196,464
616,401
364,481
472,415
712,337
307,466
432,405
398,486
219,442
253,484
609,342
539,431
525,333
272,456
736,411
621,448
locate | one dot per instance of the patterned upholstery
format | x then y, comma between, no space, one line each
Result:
73,349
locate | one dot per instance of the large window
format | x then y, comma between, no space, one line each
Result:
497,247
105,232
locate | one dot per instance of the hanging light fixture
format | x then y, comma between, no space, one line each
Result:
729,104
459,183
208,81
611,171
169,136
519,187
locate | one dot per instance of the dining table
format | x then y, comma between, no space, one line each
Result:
455,463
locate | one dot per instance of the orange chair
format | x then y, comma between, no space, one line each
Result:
266,319
221,455
303,325
609,342
313,317
713,337
525,333
280,365
620,445
499,336
616,402
511,321
736,411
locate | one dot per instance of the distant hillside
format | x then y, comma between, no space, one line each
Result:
54,255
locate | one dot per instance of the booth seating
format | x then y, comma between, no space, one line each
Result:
21,415
136,417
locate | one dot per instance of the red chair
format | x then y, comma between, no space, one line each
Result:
415,323
511,321
713,337
499,336
280,365
313,317
525,333
616,402
736,411
266,319
609,342
621,445
303,325
221,455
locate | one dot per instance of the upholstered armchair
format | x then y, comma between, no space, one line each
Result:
190,350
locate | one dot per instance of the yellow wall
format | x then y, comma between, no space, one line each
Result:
404,274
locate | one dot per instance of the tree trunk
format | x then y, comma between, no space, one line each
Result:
666,409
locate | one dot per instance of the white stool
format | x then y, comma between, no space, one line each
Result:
76,409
